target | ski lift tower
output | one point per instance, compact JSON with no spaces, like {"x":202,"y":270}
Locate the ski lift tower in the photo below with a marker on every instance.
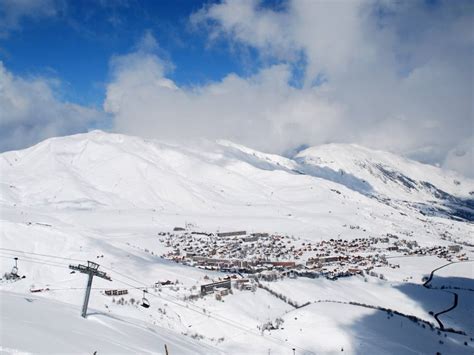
{"x":92,"y":270}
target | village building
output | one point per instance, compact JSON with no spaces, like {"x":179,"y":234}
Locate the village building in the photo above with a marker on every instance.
{"x":231,"y":234}
{"x":455,"y":248}
{"x":209,"y":288}
{"x":115,"y":292}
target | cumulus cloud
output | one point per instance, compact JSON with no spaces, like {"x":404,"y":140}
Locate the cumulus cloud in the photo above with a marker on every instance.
{"x":331,"y":34}
{"x":30,"y":111}
{"x":392,"y":76}
{"x":402,"y":71}
{"x":261,"y":111}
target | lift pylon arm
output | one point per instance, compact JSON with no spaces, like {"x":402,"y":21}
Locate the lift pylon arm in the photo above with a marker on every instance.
{"x":86,"y":270}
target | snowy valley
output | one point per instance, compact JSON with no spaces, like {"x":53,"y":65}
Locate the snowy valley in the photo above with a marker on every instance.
{"x":337,"y":249}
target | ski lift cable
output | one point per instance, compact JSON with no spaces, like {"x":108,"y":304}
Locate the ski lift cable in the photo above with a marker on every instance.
{"x":190,"y":307}
{"x":94,"y":288}
{"x":36,"y":262}
{"x":176,"y":298}
{"x":81,"y":288}
{"x":11,"y":254}
{"x":26,"y":258}
{"x":218,"y":318}
{"x":44,"y":255}
{"x":210,"y":315}
{"x":234,"y":324}
{"x":63,"y":266}
{"x":136,"y":281}
{"x":231,"y":323}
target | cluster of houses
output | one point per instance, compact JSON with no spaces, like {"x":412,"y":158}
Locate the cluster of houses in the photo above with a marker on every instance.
{"x":228,"y":249}
{"x":270,"y":256}
{"x":411,"y":248}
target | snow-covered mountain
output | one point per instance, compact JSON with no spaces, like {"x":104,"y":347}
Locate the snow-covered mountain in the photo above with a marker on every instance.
{"x":99,"y":169}
{"x":106,"y":197}
{"x":389,"y":176}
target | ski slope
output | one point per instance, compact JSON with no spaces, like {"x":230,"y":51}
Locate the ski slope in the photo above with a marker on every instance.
{"x":37,"y":325}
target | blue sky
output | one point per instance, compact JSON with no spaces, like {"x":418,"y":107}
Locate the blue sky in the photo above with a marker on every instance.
{"x":390,"y":75}
{"x":76,"y":45}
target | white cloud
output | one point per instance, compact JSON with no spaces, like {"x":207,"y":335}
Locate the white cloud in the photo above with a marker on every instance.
{"x":400,"y":71}
{"x":461,"y":158}
{"x":242,"y":21}
{"x":30,"y":111}
{"x":262,"y":111}
{"x":399,"y":78}
{"x":332,"y":34}
{"x":12,"y":12}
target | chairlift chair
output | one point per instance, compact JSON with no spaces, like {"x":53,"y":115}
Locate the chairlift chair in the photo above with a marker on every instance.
{"x":145,"y":302}
{"x":14,"y":271}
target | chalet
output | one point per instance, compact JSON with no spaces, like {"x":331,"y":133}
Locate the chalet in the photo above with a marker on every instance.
{"x":329,"y":259}
{"x":208,"y":288}
{"x":283,"y":263}
{"x":116,"y":292}
{"x":231,"y":234}
{"x":222,"y":291}
{"x":34,"y":290}
{"x":354,"y":271}
{"x":310,"y":273}
{"x":243,"y":284}
{"x":260,"y":235}
{"x":252,"y":238}
{"x":292,"y":274}
{"x":455,"y":248}
{"x":164,"y":283}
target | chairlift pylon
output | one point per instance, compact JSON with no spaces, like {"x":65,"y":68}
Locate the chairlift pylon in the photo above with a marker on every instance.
{"x":145,"y":302}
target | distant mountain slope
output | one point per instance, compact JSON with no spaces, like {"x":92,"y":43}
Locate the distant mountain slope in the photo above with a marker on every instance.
{"x":384,"y":174}
{"x":99,"y":169}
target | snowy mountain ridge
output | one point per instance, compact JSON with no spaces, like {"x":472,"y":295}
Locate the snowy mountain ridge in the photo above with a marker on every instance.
{"x":104,"y":169}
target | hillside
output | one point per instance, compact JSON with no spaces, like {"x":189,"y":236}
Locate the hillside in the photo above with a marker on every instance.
{"x":433,"y":190}
{"x":66,"y":332}
{"x":117,"y":200}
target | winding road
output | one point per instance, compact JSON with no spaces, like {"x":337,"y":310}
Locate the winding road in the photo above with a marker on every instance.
{"x":447,"y":310}
{"x":456,"y":296}
{"x":438,"y":268}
